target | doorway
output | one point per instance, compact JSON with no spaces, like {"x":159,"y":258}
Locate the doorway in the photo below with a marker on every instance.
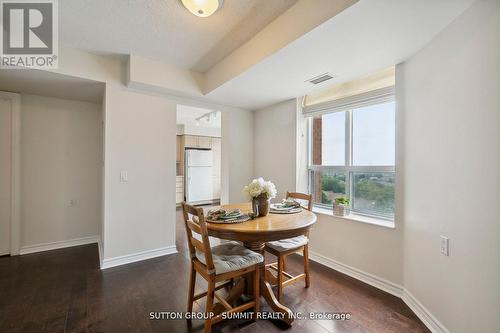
{"x":5,"y":174}
{"x":9,"y":132}
{"x":198,"y":160}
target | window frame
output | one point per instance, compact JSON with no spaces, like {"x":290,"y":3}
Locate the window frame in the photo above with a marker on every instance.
{"x":348,"y":169}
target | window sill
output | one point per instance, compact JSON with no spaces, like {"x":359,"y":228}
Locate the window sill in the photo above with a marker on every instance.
{"x":357,"y":218}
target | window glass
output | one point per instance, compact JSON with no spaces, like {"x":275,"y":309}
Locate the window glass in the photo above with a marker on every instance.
{"x":368,"y":177}
{"x":373,"y":193}
{"x":328,"y":185}
{"x":373,"y":130}
{"x":328,"y":136}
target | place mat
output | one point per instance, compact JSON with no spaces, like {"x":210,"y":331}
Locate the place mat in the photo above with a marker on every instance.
{"x":239,"y":219}
{"x":290,"y":211}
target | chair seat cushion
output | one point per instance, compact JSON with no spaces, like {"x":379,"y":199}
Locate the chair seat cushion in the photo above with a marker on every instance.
{"x":230,"y":257}
{"x":288,"y":243}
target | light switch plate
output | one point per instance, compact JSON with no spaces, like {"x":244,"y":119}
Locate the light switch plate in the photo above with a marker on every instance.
{"x":123,"y":176}
{"x":445,"y":245}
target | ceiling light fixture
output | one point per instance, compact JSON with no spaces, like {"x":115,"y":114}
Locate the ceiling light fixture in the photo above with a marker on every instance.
{"x":202,"y":8}
{"x":206,"y":117}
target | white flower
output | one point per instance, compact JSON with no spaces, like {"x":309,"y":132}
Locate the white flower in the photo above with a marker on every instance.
{"x":270,"y":189}
{"x":260,"y":186}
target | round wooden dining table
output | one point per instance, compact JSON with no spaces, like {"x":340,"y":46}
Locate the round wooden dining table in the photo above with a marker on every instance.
{"x":254,"y":234}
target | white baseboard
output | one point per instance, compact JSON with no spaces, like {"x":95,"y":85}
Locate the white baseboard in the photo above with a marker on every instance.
{"x":423,"y":314}
{"x":392,"y":288}
{"x":375,"y":281}
{"x":58,"y":245}
{"x":130,"y":258}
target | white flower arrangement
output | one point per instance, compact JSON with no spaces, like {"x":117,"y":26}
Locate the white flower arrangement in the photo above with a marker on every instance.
{"x":260,"y":186}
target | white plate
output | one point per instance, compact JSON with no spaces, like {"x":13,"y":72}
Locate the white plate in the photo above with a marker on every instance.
{"x":288,"y":211}
{"x":277,"y":207}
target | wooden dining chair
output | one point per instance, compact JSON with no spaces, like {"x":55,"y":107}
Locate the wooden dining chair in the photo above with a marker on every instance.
{"x":221,"y":263}
{"x":284,"y":247}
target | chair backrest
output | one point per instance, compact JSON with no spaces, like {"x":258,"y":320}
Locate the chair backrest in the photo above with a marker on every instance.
{"x":301,"y":196}
{"x":198,"y":226}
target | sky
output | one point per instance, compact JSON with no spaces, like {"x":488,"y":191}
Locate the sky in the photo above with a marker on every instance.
{"x":373,"y":136}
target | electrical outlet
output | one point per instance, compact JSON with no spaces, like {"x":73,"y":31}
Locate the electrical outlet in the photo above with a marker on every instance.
{"x":72,"y":203}
{"x":445,"y":245}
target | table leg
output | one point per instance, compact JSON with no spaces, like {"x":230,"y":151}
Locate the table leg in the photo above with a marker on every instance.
{"x":236,"y":291}
{"x":270,"y":277}
{"x":233,"y":295}
{"x":265,"y":288}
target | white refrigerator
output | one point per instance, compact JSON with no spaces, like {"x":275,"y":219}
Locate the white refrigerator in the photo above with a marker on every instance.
{"x":198,"y":181}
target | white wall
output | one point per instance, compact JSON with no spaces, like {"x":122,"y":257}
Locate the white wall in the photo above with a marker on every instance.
{"x":60,"y":161}
{"x":236,"y":154}
{"x":275,"y":146}
{"x":201,"y":131}
{"x":447,"y":163}
{"x":140,"y":124}
{"x":370,"y":248}
{"x":452,"y":161}
{"x":373,"y":249}
{"x":159,"y":75}
{"x":140,"y":139}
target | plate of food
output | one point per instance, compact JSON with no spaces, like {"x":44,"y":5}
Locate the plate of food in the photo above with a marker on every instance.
{"x":226,"y":216}
{"x":288,"y":206}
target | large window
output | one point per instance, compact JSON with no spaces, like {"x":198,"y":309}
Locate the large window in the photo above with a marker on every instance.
{"x":352,"y":154}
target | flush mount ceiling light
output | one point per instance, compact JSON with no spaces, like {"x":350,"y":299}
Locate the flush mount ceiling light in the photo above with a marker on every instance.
{"x":202,"y":8}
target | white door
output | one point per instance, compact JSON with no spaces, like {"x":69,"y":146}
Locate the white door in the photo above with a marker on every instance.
{"x":5,"y":174}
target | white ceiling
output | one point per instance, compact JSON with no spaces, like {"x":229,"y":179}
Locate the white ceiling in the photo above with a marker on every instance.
{"x":187,"y":115}
{"x":38,"y":82}
{"x":163,"y":29}
{"x":369,"y":36}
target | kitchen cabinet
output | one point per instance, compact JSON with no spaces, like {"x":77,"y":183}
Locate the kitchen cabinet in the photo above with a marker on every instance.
{"x":194,"y":141}
{"x":204,"y":142}
{"x":179,"y":148}
{"x":190,"y":141}
{"x":179,"y":189}
{"x":180,"y":156}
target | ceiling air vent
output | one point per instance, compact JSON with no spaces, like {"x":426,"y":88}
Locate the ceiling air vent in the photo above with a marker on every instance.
{"x":320,"y":78}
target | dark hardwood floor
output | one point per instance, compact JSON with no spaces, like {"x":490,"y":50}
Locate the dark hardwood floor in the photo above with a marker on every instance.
{"x":65,"y":291}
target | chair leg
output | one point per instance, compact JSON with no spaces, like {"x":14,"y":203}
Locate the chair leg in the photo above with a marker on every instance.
{"x":192,"y":282}
{"x":210,"y":304}
{"x":306,"y":264}
{"x":256,"y":292}
{"x":280,"y":277}
{"x":284,"y":263}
